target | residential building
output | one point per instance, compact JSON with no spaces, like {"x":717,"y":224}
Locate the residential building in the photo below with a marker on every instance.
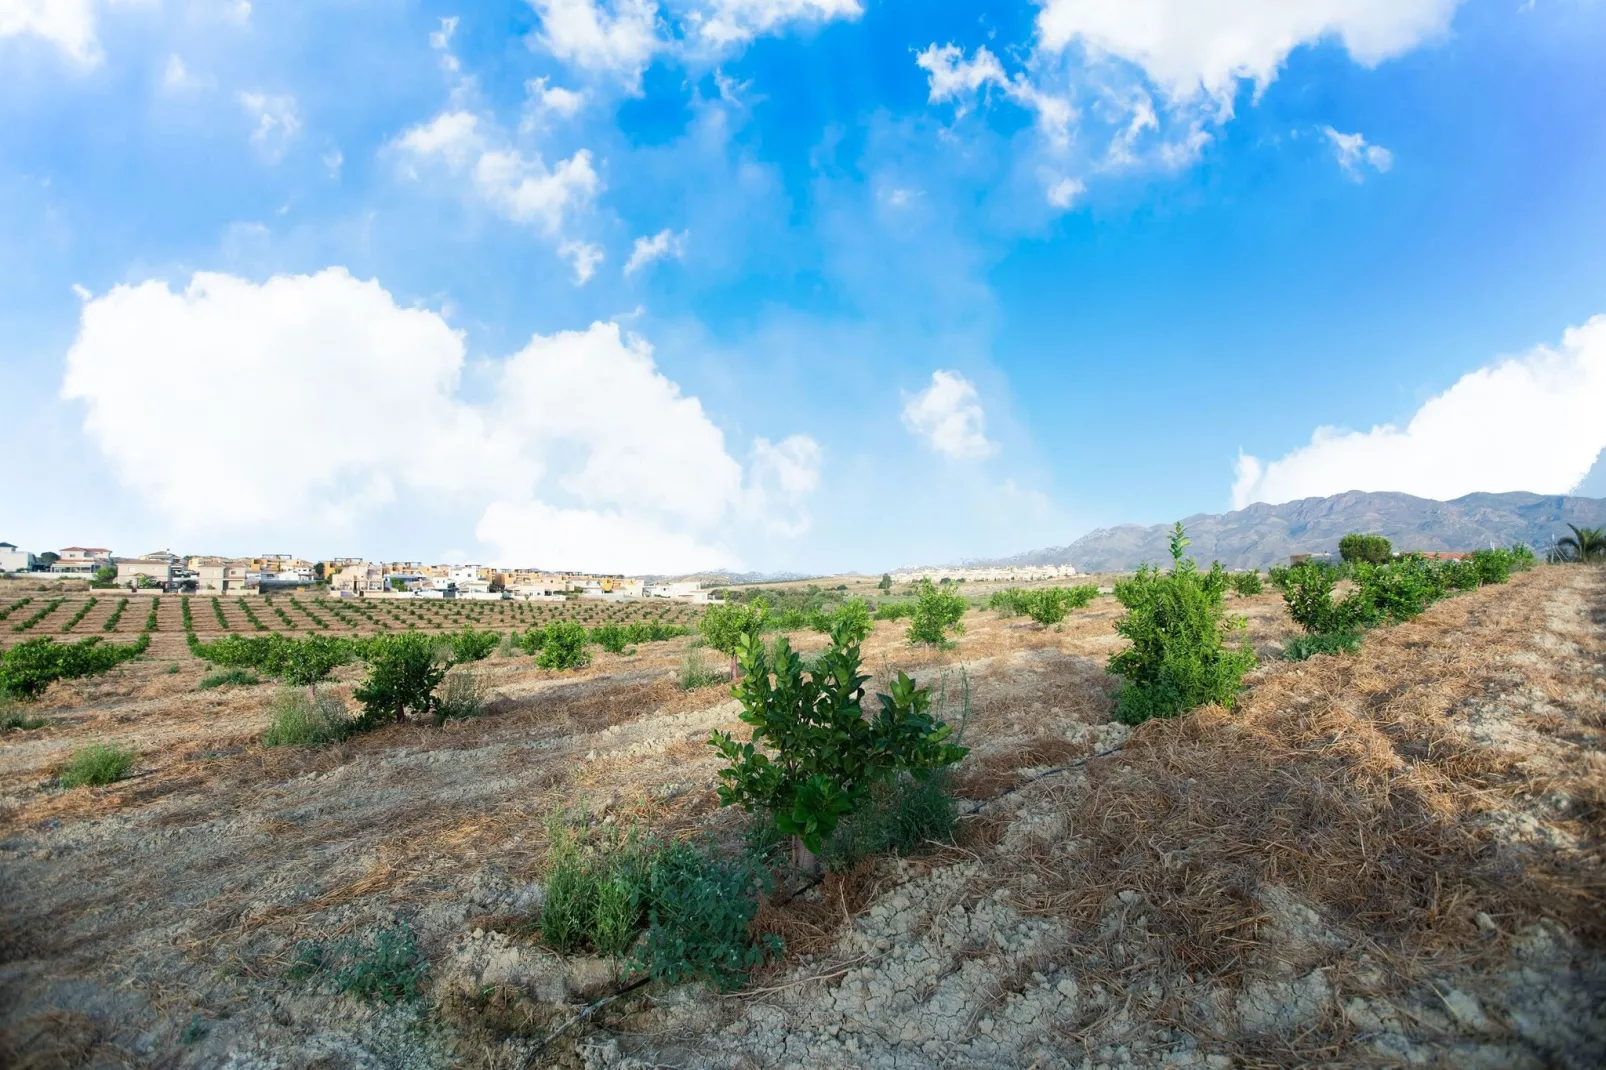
{"x":81,"y":560}
{"x":15,"y":560}
{"x":219,"y":575}
{"x":360,"y":578}
{"x":682,"y":591}
{"x":1012,"y":574}
{"x":132,"y":570}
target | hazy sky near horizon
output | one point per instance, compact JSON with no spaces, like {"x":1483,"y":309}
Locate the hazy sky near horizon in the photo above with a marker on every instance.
{"x":663,"y":285}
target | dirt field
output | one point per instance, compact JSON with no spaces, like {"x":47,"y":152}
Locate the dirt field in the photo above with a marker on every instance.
{"x":1384,"y":859}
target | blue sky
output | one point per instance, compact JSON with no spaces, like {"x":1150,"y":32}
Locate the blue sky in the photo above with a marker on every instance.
{"x":784,"y":284}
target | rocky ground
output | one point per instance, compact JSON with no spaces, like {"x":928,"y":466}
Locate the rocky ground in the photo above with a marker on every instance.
{"x":1383,"y":859}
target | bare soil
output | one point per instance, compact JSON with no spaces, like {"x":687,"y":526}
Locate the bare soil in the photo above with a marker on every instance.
{"x":1389,"y":858}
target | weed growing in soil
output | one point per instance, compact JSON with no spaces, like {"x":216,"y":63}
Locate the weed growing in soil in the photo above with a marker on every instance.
{"x":699,"y":911}
{"x":300,"y":720}
{"x":228,"y":678}
{"x":902,"y":815}
{"x":462,"y":696}
{"x":1179,"y":656}
{"x":13,"y":717}
{"x":96,"y":765}
{"x":695,"y":671}
{"x":388,"y":967}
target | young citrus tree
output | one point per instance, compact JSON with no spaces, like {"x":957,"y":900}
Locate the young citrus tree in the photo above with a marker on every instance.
{"x":725,"y":626}
{"x":815,"y":754}
{"x":938,"y":611}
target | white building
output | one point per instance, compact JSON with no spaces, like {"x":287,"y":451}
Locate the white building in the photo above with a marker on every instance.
{"x":15,"y":560}
{"x":1021,"y":574}
{"x":682,"y":591}
{"x":131,"y":570}
{"x":363,"y":577}
{"x":81,"y":560}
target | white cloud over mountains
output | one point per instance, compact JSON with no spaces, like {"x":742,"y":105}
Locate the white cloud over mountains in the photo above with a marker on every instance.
{"x":1531,"y":423}
{"x":948,"y":416}
{"x":313,"y":400}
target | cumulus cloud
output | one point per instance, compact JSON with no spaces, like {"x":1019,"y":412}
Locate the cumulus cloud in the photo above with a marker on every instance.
{"x":518,"y":187}
{"x":587,"y":455}
{"x":949,"y":417}
{"x":554,"y":99}
{"x":1355,"y":155}
{"x":1190,"y":48}
{"x":583,"y":257}
{"x":617,"y":39}
{"x":950,"y":76}
{"x":724,"y":22}
{"x":665,"y":243}
{"x":1527,"y":423}
{"x":67,"y":24}
{"x":276,"y":122}
{"x":1063,"y":192}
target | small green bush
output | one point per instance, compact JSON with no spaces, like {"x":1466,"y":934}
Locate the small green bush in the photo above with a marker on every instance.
{"x":96,"y":765}
{"x":300,"y":720}
{"x":229,"y":678}
{"x":1246,"y":583}
{"x":903,"y":815}
{"x":32,"y":665}
{"x":937,"y":611}
{"x":1179,"y":657}
{"x":388,"y":967}
{"x":471,"y":645}
{"x":895,"y":611}
{"x":403,"y":672}
{"x":700,"y":910}
{"x":1305,"y":646}
{"x":564,"y":647}
{"x":15,"y":718}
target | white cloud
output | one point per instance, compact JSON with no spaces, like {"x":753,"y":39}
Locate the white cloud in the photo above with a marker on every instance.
{"x":554,"y":98}
{"x":949,"y":416}
{"x":587,"y":456}
{"x":1063,"y":192}
{"x":663,"y":244}
{"x":584,"y":257}
{"x":67,"y":24}
{"x":1528,"y":423}
{"x":520,"y":188}
{"x":333,"y":161}
{"x":618,"y":39}
{"x":441,"y":41}
{"x":724,"y":22}
{"x":1354,"y":154}
{"x":277,"y":122}
{"x":950,"y":76}
{"x":1190,"y":48}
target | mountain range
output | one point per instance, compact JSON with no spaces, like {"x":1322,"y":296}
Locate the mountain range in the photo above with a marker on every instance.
{"x":1262,"y":535}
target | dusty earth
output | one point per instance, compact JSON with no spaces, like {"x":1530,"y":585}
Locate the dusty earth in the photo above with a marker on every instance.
{"x":1389,"y":858}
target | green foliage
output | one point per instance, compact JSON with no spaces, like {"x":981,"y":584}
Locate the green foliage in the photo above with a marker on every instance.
{"x":303,"y":661}
{"x":1048,"y":605}
{"x":1584,"y":544}
{"x":32,"y":665}
{"x":1372,"y":549}
{"x":217,"y":611}
{"x":1246,"y":583}
{"x":228,"y":678}
{"x":105,"y":575}
{"x":388,"y":967}
{"x":117,"y":615}
{"x":1305,"y":646}
{"x":1308,"y":593}
{"x":1178,"y":628}
{"x":895,"y":611}
{"x":885,"y":586}
{"x":700,"y":912}
{"x":151,"y":623}
{"x":564,"y":646}
{"x":39,"y":615}
{"x":827,"y":754}
{"x":403,"y":671}
{"x":903,"y":815}
{"x":937,"y":612}
{"x":725,"y":626}
{"x":15,"y":718}
{"x":13,"y":607}
{"x":695,"y":671}
{"x":595,"y":893}
{"x":83,"y":611}
{"x":96,"y":765}
{"x":471,"y":645}
{"x":1008,"y":602}
{"x":300,"y":720}
{"x":851,"y":617}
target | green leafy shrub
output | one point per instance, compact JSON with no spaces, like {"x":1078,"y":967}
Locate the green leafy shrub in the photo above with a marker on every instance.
{"x":15,"y":718}
{"x":895,"y":611}
{"x":1301,"y":647}
{"x":1308,"y":593}
{"x":1372,"y":549}
{"x":228,"y":678}
{"x":1584,"y":544}
{"x":827,"y":754}
{"x":610,"y":637}
{"x":596,"y":894}
{"x":852,"y":617}
{"x":96,"y":765}
{"x":1009,"y":602}
{"x":32,"y":665}
{"x":298,"y":719}
{"x":151,"y":623}
{"x":700,"y":910}
{"x":217,"y":611}
{"x":13,"y":607}
{"x":388,"y":967}
{"x":471,"y":645}
{"x":724,"y":627}
{"x":403,"y":672}
{"x":937,"y":612}
{"x":1049,"y":605}
{"x":1246,"y":583}
{"x":1178,"y":628}
{"x":564,"y":647}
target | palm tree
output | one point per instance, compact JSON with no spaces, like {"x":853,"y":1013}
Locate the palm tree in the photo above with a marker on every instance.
{"x":1584,"y":544}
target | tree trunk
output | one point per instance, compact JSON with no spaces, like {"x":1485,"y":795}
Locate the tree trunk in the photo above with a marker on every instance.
{"x":805,"y":861}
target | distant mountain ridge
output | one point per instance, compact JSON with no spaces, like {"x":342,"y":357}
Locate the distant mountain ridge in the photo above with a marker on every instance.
{"x":1262,"y":535}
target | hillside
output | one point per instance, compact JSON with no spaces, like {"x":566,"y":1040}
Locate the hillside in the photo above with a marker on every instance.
{"x":1262,"y":535}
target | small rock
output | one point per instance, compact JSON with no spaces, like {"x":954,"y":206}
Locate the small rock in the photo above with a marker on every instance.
{"x":1486,"y":923}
